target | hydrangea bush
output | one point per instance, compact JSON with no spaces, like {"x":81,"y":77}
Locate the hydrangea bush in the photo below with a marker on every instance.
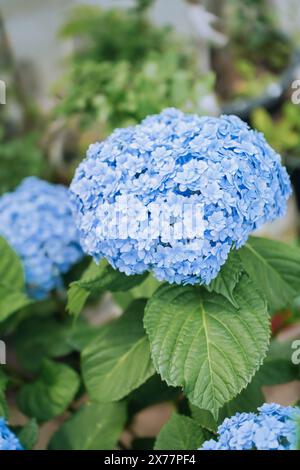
{"x":275,"y":427}
{"x":36,"y":220}
{"x":164,"y":214}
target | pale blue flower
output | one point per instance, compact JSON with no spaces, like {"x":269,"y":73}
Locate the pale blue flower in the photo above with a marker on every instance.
{"x":275,"y":427}
{"x":36,"y":220}
{"x":228,"y":173}
{"x":8,"y":441}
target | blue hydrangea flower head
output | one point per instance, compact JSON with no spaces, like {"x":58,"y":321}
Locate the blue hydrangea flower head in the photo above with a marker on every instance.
{"x":8,"y":441}
{"x":36,"y":220}
{"x":174,"y":194}
{"x":275,"y":427}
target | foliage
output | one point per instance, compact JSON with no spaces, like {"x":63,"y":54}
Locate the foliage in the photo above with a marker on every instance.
{"x":255,"y":34}
{"x":110,"y":35}
{"x":282,"y":131}
{"x":115,"y":80}
{"x":95,"y":426}
{"x":12,"y":288}
{"x":115,"y":94}
{"x":122,"y":362}
{"x":257,"y":49}
{"x":51,"y":393}
{"x":180,"y":433}
{"x":250,"y":82}
{"x":23,"y":155}
{"x":211,"y":346}
{"x":219,"y":359}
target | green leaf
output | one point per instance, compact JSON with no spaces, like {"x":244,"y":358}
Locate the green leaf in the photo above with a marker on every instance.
{"x":274,"y":267}
{"x":82,"y":334}
{"x":151,"y":392}
{"x":200,"y":342}
{"x":227,"y":278}
{"x":77,"y":298}
{"x":247,"y":401}
{"x":3,"y":404}
{"x":278,"y":372}
{"x":263,"y":122}
{"x":143,"y":291}
{"x":98,"y":279}
{"x":94,"y":427}
{"x":29,"y":434}
{"x":12,"y":295}
{"x":11,"y":301}
{"x":118,"y":360}
{"x":51,"y":393}
{"x":278,"y":367}
{"x":11,"y":269}
{"x":180,"y":433}
{"x":204,"y":418}
{"x":37,"y":338}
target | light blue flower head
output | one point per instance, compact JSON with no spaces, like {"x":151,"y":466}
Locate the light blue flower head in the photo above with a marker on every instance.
{"x":174,"y":194}
{"x":275,"y":427}
{"x":36,"y":220}
{"x":8,"y":441}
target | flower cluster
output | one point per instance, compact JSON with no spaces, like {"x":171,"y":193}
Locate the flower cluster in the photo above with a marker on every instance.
{"x":274,"y":428}
{"x":8,"y":441}
{"x":174,"y":194}
{"x":36,"y":220}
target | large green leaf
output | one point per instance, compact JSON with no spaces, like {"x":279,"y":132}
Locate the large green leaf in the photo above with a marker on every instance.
{"x":94,"y":427}
{"x":274,"y":267}
{"x":51,"y":393}
{"x":118,"y":360}
{"x":82,"y":334}
{"x":12,"y":295}
{"x":227,"y":278}
{"x":180,"y":433}
{"x":276,"y":369}
{"x":247,"y":401}
{"x":201,"y":342}
{"x":11,"y":269}
{"x":97,"y":279}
